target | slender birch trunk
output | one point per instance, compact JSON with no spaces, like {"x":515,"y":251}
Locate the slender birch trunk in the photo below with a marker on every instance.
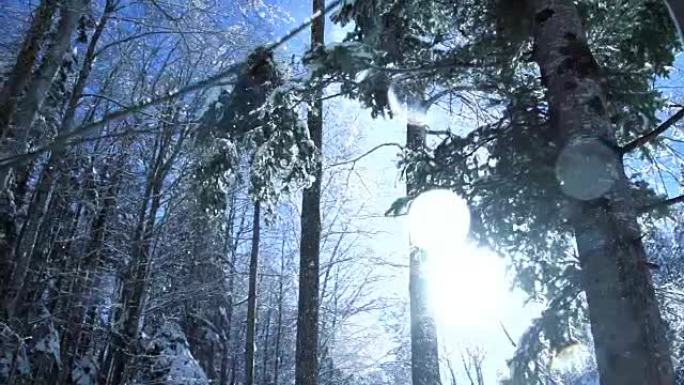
{"x":252,"y":296}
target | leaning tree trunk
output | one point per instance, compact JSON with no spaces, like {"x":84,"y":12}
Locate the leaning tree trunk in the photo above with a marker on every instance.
{"x":424,"y":350}
{"x":306,"y":357}
{"x":629,"y":335}
{"x":21,"y":72}
{"x":252,"y":296}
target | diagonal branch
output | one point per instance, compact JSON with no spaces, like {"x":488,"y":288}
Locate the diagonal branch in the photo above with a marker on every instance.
{"x":60,"y":141}
{"x":365,"y":154}
{"x":662,"y":204}
{"x":435,"y":97}
{"x":638,"y":142}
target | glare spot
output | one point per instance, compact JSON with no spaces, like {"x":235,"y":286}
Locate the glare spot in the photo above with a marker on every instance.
{"x":572,"y":357}
{"x":587,"y":169}
{"x":467,"y":286}
{"x":403,"y":106}
{"x":395,"y":104}
{"x":362,"y":75}
{"x":438,"y":220}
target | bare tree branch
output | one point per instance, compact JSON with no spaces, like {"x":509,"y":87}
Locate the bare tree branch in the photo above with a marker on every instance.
{"x":365,"y":154}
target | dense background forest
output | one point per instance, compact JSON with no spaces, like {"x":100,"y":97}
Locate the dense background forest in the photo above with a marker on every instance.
{"x":216,"y":191}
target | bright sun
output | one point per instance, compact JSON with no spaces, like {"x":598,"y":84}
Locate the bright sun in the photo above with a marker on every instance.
{"x":467,"y":284}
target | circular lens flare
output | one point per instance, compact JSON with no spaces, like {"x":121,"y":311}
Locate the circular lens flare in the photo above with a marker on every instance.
{"x":587,"y":169}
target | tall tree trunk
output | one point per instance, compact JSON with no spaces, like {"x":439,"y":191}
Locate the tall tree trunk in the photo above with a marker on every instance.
{"x":26,"y":241}
{"x":629,"y":335}
{"x":86,"y":281}
{"x":306,"y":357}
{"x":26,"y":59}
{"x":50,"y":174}
{"x":84,"y":72}
{"x":227,"y":319}
{"x":266,"y":334}
{"x":279,"y":322}
{"x":125,"y":336}
{"x":135,"y":287}
{"x":37,"y":89}
{"x":424,"y":349}
{"x":252,"y":296}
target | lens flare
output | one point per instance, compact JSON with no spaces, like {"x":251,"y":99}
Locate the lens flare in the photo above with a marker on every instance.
{"x":587,"y":169}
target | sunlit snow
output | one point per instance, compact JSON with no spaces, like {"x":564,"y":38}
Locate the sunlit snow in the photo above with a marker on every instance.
{"x":572,"y":357}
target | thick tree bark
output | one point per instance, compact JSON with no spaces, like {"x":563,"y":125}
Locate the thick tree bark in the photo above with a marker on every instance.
{"x":252,"y":296}
{"x":26,"y":59}
{"x":306,"y":357}
{"x":629,"y":335}
{"x":424,"y":349}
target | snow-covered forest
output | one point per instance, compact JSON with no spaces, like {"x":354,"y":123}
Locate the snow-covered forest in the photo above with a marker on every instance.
{"x":341,"y":192}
